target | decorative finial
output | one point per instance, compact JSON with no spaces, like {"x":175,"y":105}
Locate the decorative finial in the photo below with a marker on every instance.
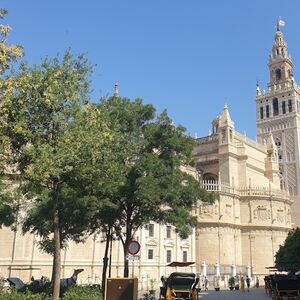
{"x":280,"y":23}
{"x":258,"y":92}
{"x":116,"y":90}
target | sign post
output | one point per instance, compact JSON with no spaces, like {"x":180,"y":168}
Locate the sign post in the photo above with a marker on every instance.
{"x":133,"y":248}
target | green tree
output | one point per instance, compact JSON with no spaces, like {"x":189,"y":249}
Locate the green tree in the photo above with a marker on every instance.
{"x":9,"y":54}
{"x":49,"y":125}
{"x":287,"y":257}
{"x":153,"y":186}
{"x":100,"y":178}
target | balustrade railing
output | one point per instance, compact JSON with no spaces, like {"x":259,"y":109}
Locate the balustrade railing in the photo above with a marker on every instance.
{"x":214,"y":186}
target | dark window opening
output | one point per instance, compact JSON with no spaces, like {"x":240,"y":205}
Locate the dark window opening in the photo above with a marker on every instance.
{"x":210,"y":177}
{"x":290,"y":106}
{"x":168,"y":232}
{"x":150,"y":254}
{"x":267,"y":111}
{"x":151,"y":230}
{"x":261,"y":112}
{"x":184,"y":256}
{"x":278,"y":74}
{"x":275,"y":107}
{"x":283,"y":107}
{"x":169,"y":256}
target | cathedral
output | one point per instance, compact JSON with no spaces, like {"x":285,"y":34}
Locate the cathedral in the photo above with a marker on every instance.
{"x":259,"y":187}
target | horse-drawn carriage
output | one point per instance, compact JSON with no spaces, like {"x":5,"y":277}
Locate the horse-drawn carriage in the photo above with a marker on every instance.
{"x":179,"y":285}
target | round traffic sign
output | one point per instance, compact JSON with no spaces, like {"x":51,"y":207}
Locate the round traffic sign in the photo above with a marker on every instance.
{"x":134,"y":247}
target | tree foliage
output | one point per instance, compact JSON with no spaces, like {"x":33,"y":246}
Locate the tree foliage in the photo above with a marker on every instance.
{"x":153,"y":186}
{"x":48,"y":121}
{"x":288,"y":256}
{"x":8,"y":55}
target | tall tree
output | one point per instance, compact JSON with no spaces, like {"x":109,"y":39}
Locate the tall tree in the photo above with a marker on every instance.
{"x":9,"y":54}
{"x":154,"y":186}
{"x":100,"y":178}
{"x":287,"y":257}
{"x":48,"y":123}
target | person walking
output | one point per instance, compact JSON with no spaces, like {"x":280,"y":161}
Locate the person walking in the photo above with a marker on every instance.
{"x":205,"y":283}
{"x":257,"y":282}
{"x":242,"y":284}
{"x":248,"y":283}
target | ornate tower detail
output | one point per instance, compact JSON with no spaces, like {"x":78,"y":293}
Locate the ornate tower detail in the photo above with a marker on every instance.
{"x":278,"y":112}
{"x":271,"y":162}
{"x":280,"y":63}
{"x":226,"y":127}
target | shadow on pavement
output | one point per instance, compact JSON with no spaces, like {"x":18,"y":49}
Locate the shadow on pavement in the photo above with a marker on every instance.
{"x":254,"y":293}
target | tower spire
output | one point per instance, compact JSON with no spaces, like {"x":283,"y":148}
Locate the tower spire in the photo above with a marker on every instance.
{"x":280,"y":62}
{"x":258,"y":92}
{"x":116,"y":89}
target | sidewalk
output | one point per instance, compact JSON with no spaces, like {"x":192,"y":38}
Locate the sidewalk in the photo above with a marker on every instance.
{"x":226,"y":294}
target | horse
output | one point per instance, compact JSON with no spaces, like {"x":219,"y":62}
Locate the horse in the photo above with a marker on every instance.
{"x":39,"y":285}
{"x":4,"y":284}
{"x":71,"y":280}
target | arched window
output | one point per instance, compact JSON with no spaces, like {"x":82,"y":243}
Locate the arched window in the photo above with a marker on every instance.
{"x":210,"y":177}
{"x":278,"y":74}
{"x":275,"y":107}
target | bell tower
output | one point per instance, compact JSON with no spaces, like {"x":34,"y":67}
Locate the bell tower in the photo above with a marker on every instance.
{"x":278,"y":113}
{"x":280,"y":63}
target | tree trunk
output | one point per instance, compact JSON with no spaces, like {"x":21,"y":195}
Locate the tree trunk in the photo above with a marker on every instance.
{"x":110,"y":255}
{"x":125,"y":246}
{"x":126,"y":264}
{"x":128,"y":235}
{"x":105,"y":261}
{"x":57,"y":256}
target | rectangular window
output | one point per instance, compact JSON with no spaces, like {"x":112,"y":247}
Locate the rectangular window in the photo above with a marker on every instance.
{"x":184,"y":256}
{"x":261,"y":112}
{"x":283,"y":107}
{"x":150,"y":253}
{"x":275,"y":107}
{"x":169,"y":232}
{"x":290,"y":106}
{"x":267,"y":111}
{"x":151,"y":230}
{"x":169,"y":256}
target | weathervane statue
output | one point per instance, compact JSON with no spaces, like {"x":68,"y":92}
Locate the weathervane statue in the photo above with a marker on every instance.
{"x":280,"y":23}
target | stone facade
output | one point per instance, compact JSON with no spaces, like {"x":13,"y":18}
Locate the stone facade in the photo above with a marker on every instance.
{"x":252,"y":216}
{"x":19,"y":256}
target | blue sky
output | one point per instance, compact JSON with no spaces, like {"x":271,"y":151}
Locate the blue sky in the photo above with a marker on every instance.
{"x":189,"y":57}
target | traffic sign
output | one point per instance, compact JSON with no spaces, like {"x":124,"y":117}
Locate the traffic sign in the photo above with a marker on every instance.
{"x":133,"y":257}
{"x":134,"y":247}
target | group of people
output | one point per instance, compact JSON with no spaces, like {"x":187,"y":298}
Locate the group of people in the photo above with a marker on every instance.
{"x":247,"y":283}
{"x":243,"y":284}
